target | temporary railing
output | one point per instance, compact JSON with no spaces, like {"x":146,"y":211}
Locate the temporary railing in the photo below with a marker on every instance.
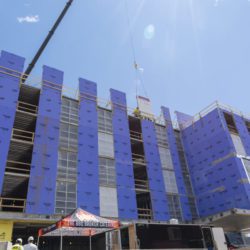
{"x":74,"y":93}
{"x":22,"y":135}
{"x":27,"y":107}
{"x":37,"y":82}
{"x":103,"y":103}
{"x":17,"y":167}
{"x":210,"y":108}
{"x":136,"y":135}
{"x":141,"y":184}
{"x":12,"y":204}
{"x":138,"y":159}
{"x":144,"y":213}
{"x":31,"y":80}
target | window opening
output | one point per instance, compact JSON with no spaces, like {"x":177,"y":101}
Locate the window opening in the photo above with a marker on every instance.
{"x":230,"y":123}
{"x":248,"y":125}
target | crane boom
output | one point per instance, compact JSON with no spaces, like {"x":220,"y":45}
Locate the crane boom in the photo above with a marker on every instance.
{"x":46,"y":41}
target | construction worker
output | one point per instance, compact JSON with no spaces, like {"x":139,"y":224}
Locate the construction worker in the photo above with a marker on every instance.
{"x":18,"y":245}
{"x":30,"y":245}
{"x":137,"y":112}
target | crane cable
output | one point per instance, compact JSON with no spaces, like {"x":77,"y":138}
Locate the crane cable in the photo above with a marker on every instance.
{"x":138,"y":75}
{"x":131,"y":36}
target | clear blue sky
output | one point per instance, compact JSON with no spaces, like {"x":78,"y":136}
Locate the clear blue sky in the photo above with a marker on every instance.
{"x":195,"y":52}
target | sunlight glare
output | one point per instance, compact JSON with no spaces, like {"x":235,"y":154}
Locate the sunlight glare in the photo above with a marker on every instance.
{"x":149,"y":32}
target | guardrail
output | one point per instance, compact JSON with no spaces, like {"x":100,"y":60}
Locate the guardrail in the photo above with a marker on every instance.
{"x":17,"y":167}
{"x":144,"y":213}
{"x":136,"y":135}
{"x":37,"y":82}
{"x":22,"y":135}
{"x":138,"y":159}
{"x":27,"y":107}
{"x":210,"y":108}
{"x":12,"y":204}
{"x":141,"y":184}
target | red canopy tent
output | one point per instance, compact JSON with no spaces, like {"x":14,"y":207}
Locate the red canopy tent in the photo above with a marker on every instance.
{"x":79,"y":223}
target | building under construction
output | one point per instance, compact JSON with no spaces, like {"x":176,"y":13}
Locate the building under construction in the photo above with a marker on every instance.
{"x":58,"y":153}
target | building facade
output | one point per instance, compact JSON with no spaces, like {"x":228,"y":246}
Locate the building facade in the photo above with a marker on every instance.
{"x":217,"y":150}
{"x":59,"y":153}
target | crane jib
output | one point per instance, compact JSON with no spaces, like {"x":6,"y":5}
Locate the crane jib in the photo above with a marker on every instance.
{"x":46,"y":41}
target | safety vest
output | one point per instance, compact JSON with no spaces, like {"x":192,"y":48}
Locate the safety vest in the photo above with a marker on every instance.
{"x":17,"y":247}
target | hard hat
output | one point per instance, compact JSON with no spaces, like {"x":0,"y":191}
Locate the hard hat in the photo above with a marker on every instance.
{"x":31,"y":238}
{"x":19,"y":240}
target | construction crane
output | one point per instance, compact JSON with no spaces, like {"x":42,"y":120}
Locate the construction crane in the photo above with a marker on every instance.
{"x":46,"y":41}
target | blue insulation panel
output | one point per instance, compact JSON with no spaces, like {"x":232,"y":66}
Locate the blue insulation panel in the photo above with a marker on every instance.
{"x":216,"y":173}
{"x":225,"y":191}
{"x":88,"y":169}
{"x":11,"y":67}
{"x":42,"y":183}
{"x":126,"y":195}
{"x":154,"y":171}
{"x":186,"y":213}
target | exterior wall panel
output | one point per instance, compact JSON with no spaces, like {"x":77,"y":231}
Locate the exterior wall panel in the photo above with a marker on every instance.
{"x":42,"y":183}
{"x":126,"y":196}
{"x":88,"y":169}
{"x":215,"y":171}
{"x":11,"y":68}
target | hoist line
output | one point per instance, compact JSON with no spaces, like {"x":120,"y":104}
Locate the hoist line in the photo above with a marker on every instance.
{"x":130,"y":35}
{"x":138,"y":76}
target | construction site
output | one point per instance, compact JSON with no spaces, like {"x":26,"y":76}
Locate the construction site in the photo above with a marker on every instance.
{"x":60,"y":153}
{"x":81,"y":172}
